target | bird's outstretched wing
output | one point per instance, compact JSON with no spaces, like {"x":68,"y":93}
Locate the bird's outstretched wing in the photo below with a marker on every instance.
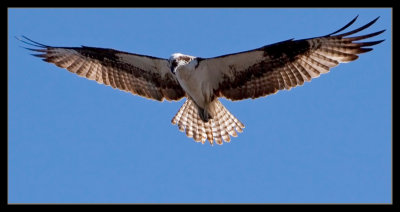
{"x":142,"y":75}
{"x":266,"y":70}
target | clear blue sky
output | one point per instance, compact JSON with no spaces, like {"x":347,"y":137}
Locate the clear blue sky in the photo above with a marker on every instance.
{"x":71,"y":140}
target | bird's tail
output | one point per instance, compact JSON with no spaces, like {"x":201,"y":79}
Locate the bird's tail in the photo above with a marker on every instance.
{"x":220,"y":127}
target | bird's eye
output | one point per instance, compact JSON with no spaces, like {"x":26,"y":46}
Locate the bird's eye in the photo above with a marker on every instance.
{"x":174,"y":63}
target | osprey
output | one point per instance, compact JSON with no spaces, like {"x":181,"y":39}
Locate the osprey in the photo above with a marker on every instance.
{"x":248,"y":74}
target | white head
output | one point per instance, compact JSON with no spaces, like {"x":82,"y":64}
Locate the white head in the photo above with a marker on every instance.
{"x":178,"y":59}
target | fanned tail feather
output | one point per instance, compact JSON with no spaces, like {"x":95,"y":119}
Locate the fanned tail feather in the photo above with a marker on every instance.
{"x":219,"y":128}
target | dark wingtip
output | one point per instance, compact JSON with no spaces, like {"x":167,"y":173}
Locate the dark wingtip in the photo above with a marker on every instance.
{"x":361,"y":28}
{"x":364,"y":50}
{"x":31,"y":42}
{"x":343,"y":28}
{"x":373,"y":21}
{"x":372,"y":43}
{"x":34,"y":50}
{"x":365,"y":36}
{"x":356,"y":30}
{"x":39,"y":55}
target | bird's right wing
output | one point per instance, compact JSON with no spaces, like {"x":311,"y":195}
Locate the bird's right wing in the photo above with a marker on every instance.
{"x":142,"y":75}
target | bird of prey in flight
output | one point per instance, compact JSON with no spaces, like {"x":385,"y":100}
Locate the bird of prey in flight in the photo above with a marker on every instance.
{"x":249,"y":74}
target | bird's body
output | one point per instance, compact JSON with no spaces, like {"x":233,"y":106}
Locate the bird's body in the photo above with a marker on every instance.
{"x":248,"y":74}
{"x":195,"y":82}
{"x":202,"y":116}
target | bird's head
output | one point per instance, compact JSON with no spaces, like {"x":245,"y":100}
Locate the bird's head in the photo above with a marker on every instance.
{"x":178,"y":59}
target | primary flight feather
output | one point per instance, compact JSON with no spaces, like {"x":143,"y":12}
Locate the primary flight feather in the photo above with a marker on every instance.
{"x":249,"y":74}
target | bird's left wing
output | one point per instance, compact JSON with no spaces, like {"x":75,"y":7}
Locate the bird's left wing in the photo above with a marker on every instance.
{"x":283,"y":65}
{"x":142,"y":75}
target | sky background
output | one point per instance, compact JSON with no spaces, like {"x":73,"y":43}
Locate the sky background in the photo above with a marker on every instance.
{"x":71,"y":140}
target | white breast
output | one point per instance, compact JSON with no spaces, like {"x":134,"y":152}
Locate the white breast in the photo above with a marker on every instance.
{"x":195,"y":82}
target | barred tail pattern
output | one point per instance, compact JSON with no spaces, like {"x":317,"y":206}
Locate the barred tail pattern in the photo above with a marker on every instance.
{"x":219,"y":128}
